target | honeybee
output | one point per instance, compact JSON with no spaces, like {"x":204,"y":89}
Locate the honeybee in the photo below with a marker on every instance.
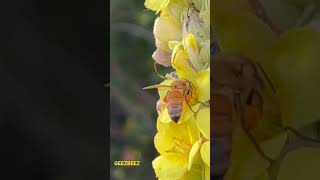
{"x":236,"y":101}
{"x":180,"y":91}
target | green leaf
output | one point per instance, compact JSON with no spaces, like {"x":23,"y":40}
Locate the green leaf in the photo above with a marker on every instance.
{"x":301,"y":164}
{"x":297,"y":76}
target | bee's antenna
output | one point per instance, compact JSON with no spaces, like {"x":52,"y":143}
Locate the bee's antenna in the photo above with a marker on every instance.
{"x":157,"y":86}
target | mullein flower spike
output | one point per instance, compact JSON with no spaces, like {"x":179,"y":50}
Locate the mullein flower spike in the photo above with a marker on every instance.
{"x":182,"y":39}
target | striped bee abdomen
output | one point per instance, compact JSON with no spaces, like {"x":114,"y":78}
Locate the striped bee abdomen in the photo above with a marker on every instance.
{"x":174,"y":100}
{"x":222,"y":130}
{"x":175,"y":111}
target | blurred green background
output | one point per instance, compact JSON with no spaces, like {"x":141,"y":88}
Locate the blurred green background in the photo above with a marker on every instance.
{"x":133,"y":110}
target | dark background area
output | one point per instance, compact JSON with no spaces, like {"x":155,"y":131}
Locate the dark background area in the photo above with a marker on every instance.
{"x":53,"y":104}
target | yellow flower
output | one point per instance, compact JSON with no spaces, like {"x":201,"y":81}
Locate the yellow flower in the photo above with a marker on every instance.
{"x":203,"y":122}
{"x":166,"y":28}
{"x":170,"y":166}
{"x":179,"y":148}
{"x":205,"y":153}
{"x":201,"y":94}
{"x":188,"y":57}
{"x":156,"y":5}
{"x":182,"y":38}
{"x":197,"y":24}
{"x":191,"y":47}
{"x":162,"y":57}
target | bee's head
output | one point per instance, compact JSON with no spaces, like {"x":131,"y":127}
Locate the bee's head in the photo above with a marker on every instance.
{"x":181,"y":84}
{"x":233,"y":71}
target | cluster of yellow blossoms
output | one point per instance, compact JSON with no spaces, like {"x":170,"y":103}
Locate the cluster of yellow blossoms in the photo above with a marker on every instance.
{"x":182,"y":38}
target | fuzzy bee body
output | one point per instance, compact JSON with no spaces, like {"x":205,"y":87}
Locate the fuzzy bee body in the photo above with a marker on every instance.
{"x":236,"y":103}
{"x":180,"y":91}
{"x":174,"y":101}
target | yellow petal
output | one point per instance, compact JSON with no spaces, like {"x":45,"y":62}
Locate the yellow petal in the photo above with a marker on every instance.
{"x":175,"y":9}
{"x":203,"y":85}
{"x":187,"y":112}
{"x":162,"y":57}
{"x":298,"y":86}
{"x":173,"y":44}
{"x":183,"y":66}
{"x":162,"y":45}
{"x":205,"y":153}
{"x":190,"y":45}
{"x":164,"y":116}
{"x":170,"y":166}
{"x":263,"y":176}
{"x":160,"y":106}
{"x":167,"y":29}
{"x":203,"y":122}
{"x":163,"y":142}
{"x":302,"y":163}
{"x":195,"y":173}
{"x":187,"y":132}
{"x":156,"y":5}
{"x":193,"y":152}
{"x":194,"y":133}
{"x":247,"y":163}
{"x":207,"y":173}
{"x":172,"y":137}
{"x":162,"y":91}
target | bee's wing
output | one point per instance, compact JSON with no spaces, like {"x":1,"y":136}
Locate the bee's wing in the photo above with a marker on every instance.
{"x":156,"y":86}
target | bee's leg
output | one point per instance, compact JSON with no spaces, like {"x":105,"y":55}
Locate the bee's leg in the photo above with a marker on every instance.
{"x":267,"y":78}
{"x":250,"y":136}
{"x":204,"y":104}
{"x":194,"y":112}
{"x":253,"y":109}
{"x":156,"y":71}
{"x":190,"y":106}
